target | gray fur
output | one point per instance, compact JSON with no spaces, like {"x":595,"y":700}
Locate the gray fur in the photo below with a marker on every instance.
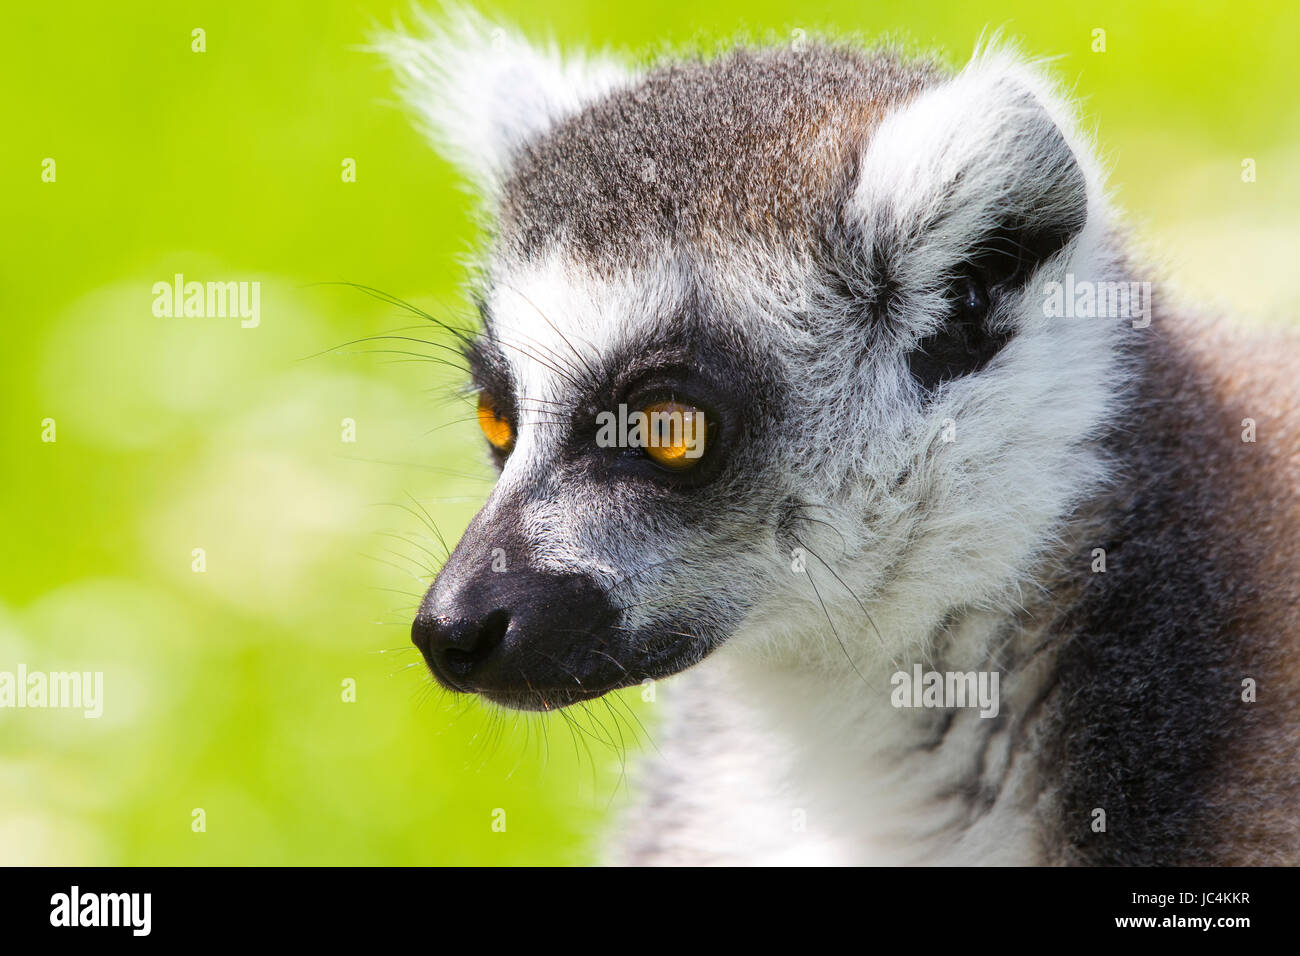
{"x":760,"y":141}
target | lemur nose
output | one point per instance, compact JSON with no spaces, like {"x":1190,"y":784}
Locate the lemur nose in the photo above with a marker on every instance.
{"x":455,"y":647}
{"x":522,"y":636}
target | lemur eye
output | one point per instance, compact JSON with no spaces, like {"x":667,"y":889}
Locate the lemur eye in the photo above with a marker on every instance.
{"x":500,"y":433}
{"x":973,"y":298}
{"x":677,"y":434}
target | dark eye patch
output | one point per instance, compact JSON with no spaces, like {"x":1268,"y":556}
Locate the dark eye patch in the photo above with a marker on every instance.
{"x":965,"y":343}
{"x":490,"y":378}
{"x":488,"y":370}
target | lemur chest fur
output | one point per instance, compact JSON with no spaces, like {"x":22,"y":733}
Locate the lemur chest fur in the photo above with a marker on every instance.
{"x":831,"y":772}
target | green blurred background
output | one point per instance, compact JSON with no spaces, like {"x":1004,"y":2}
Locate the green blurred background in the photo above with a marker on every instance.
{"x":224,"y":688}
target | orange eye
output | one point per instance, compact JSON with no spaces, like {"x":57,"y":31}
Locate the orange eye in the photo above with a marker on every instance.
{"x":676,"y":434}
{"x":500,"y":433}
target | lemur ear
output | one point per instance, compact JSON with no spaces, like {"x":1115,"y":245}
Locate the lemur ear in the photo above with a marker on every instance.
{"x":978,"y":169}
{"x":481,"y":91}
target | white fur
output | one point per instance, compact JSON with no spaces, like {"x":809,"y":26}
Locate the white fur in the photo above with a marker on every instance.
{"x":481,"y":91}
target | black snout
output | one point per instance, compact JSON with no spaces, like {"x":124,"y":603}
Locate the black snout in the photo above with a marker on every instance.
{"x":525,"y":638}
{"x":459,"y":644}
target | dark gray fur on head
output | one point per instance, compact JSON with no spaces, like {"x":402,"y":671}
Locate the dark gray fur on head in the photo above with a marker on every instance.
{"x":760,"y":141}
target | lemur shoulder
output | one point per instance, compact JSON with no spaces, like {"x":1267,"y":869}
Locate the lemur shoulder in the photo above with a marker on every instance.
{"x":842,"y":258}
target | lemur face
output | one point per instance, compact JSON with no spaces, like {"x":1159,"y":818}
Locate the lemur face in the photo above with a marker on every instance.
{"x":616,"y":560}
{"x":831,"y":263}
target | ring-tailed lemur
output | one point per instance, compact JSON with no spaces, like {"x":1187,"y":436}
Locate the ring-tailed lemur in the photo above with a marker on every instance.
{"x":944,"y":450}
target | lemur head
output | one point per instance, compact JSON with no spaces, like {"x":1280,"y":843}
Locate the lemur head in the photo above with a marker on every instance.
{"x":830,"y":259}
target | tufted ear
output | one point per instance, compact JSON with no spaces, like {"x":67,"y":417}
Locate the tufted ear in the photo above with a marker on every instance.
{"x":482,"y":91}
{"x":982,"y":165}
{"x":961,"y":196}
